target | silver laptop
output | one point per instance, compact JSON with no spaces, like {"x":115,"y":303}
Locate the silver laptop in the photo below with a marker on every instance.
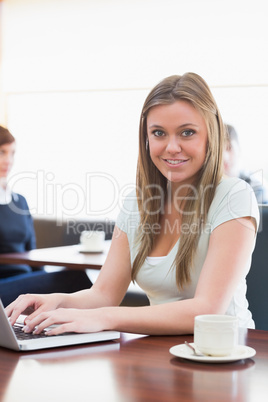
{"x":14,"y":338}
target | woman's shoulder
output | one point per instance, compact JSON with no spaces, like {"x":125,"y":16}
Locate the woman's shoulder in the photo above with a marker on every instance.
{"x":234,"y":198}
{"x":233,"y":187}
{"x":229,"y":181}
{"x":130,"y":202}
{"x":128,"y":217}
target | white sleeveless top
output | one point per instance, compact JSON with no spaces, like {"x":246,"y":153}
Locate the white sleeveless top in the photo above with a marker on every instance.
{"x":234,"y":198}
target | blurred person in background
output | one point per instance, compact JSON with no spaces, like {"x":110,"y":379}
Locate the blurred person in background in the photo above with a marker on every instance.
{"x":232,"y":166}
{"x":16,"y":223}
{"x":17,"y":235}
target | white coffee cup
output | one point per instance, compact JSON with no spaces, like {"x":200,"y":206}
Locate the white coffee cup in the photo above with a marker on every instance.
{"x":92,"y":240}
{"x":216,"y":334}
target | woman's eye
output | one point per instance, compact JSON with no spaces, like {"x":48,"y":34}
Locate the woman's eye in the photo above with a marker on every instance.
{"x":187,"y":133}
{"x":158,"y":133}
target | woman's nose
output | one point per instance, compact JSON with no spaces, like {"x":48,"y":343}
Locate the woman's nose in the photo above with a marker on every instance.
{"x":174,"y":145}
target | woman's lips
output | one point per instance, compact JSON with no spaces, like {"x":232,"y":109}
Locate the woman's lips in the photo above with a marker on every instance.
{"x":175,"y":162}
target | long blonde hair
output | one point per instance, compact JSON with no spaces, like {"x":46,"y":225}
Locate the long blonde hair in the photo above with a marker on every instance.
{"x":152,"y":185}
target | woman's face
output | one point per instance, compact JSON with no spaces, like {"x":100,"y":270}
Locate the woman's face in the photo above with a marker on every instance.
{"x":177,"y":136}
{"x":7,"y":152}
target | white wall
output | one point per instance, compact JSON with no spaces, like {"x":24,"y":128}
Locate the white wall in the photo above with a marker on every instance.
{"x":75,"y":75}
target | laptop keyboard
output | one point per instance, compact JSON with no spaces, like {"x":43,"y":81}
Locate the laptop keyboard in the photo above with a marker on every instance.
{"x":21,"y":335}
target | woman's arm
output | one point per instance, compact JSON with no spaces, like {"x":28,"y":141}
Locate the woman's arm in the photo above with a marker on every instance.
{"x":230,"y":247}
{"x":112,"y":282}
{"x":108,"y":290}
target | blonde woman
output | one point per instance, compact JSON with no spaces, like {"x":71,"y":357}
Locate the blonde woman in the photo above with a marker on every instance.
{"x":186,"y":236}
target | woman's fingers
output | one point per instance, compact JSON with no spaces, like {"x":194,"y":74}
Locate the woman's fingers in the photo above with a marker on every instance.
{"x":37,"y":324}
{"x":60,"y":329}
{"x":37,"y":303}
{"x":15,"y":309}
{"x":44,"y":320}
{"x":64,"y":320}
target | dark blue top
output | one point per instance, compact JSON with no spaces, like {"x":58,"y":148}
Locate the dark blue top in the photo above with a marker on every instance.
{"x":16,"y":233}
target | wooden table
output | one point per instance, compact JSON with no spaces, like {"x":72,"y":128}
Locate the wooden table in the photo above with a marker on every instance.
{"x":134,"y":369}
{"x":66,"y":256}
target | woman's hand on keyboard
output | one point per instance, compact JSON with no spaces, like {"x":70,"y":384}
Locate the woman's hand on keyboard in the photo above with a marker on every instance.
{"x":37,"y":303}
{"x":69,"y":320}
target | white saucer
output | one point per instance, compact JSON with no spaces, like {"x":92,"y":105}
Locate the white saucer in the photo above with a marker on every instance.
{"x":83,"y":249}
{"x":240,"y":352}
